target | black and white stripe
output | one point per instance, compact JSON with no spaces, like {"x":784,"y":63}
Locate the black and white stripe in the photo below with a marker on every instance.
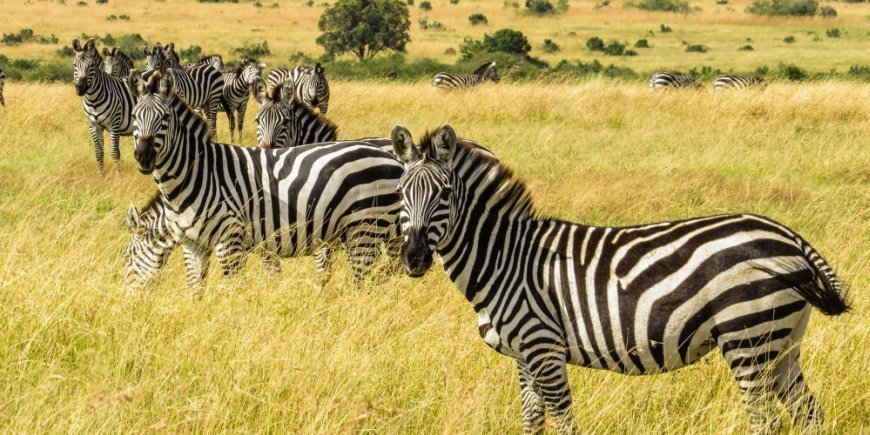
{"x":201,"y":87}
{"x":237,"y":91}
{"x":445,"y":80}
{"x":287,"y":123}
{"x":309,"y":85}
{"x":108,"y":102}
{"x":737,"y":82}
{"x":634,"y":300}
{"x":668,"y":80}
{"x":117,"y":63}
{"x":2,"y":82}
{"x":287,"y":202}
{"x":213,"y":60}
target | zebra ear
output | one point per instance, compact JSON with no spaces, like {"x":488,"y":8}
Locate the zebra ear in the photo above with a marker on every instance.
{"x":167,"y":85}
{"x":286,"y":91}
{"x":90,"y":45}
{"x":318,"y":69}
{"x":77,"y":46}
{"x":444,"y":142}
{"x":133,"y":220}
{"x":258,"y":89}
{"x":135,"y":82}
{"x":105,"y":51}
{"x":403,"y":145}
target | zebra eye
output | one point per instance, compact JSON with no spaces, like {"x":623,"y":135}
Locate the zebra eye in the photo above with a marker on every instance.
{"x":401,"y":195}
{"x":446,"y":191}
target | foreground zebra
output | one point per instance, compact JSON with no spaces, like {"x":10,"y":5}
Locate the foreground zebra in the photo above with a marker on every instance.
{"x":283,"y":123}
{"x":665,"y":80}
{"x":238,"y":86}
{"x":309,"y":85}
{"x":635,"y":300}
{"x":287,"y":202}
{"x":737,"y":82}
{"x":446,"y":80}
{"x":2,"y":82}
{"x":108,"y":102}
{"x":202,"y":87}
{"x":117,"y":63}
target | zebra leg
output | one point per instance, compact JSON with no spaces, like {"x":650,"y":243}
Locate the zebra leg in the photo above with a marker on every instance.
{"x":97,"y":136}
{"x":230,"y":256}
{"x":548,"y":370}
{"x":242,"y":109}
{"x":271,"y":263}
{"x":232,"y":121}
{"x":363,"y":249}
{"x":211,"y":116}
{"x":115,"y":152}
{"x":533,"y":405}
{"x":791,"y":388}
{"x":196,"y":264}
{"x":323,"y":260}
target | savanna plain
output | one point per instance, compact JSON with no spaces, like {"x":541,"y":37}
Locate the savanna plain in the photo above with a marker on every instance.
{"x":262,"y":353}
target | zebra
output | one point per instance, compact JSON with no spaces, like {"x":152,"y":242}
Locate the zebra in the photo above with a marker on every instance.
{"x":287,"y":123}
{"x":202,"y":87}
{"x":737,"y":82}
{"x":309,"y":85}
{"x":445,"y":80}
{"x":172,"y":60}
{"x":213,"y":60}
{"x":151,"y":243}
{"x":237,"y":89}
{"x":117,"y":63}
{"x":232,"y":200}
{"x":664,"y":80}
{"x":2,"y":82}
{"x":635,"y":300}
{"x":108,"y":102}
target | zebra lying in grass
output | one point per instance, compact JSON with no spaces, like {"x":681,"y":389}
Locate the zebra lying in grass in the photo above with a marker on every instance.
{"x":284,"y":202}
{"x":668,"y":80}
{"x":737,"y":82}
{"x":635,"y":300}
{"x":309,"y":85}
{"x":446,"y":80}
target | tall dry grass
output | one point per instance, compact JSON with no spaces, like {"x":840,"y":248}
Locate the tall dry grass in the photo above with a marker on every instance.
{"x":280,"y":354}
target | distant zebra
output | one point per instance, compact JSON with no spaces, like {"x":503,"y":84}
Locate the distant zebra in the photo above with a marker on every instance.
{"x":287,"y":123}
{"x":445,"y":80}
{"x":172,"y":60}
{"x":309,"y":85}
{"x":213,"y":60}
{"x":288,"y":202}
{"x":108,"y":102}
{"x":202,"y":87}
{"x":117,"y":63}
{"x":237,"y":90}
{"x":737,"y":82}
{"x":665,"y":80}
{"x":2,"y":82}
{"x":635,"y":300}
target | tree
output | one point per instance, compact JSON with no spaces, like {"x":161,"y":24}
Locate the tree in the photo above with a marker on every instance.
{"x":364,"y":27}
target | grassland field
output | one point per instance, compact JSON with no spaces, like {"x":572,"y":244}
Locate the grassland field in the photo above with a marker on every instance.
{"x":263,"y":354}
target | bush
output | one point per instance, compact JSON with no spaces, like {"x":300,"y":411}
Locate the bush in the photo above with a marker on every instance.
{"x":788,"y":39}
{"x":630,"y":53}
{"x":190,"y":54}
{"x":745,"y":48}
{"x":578,"y":69}
{"x":426,"y":6}
{"x":478,"y":18}
{"x":664,"y":29}
{"x":614,"y":48}
{"x":507,"y":41}
{"x":827,"y":12}
{"x":118,"y":17}
{"x":595,"y":44}
{"x":364,"y":27}
{"x":253,"y":50}
{"x":641,"y":43}
{"x":410,"y":2}
{"x":454,"y":2}
{"x":662,"y":5}
{"x":545,"y":7}
{"x":696,"y":48}
{"x":435,"y":25}
{"x":860,"y":72}
{"x":102,"y":2}
{"x":795,"y":8}
{"x":549,"y":46}
{"x":27,"y":35}
{"x":791,"y":72}
{"x":721,"y":2}
{"x":833,"y":33}
{"x":450,"y":50}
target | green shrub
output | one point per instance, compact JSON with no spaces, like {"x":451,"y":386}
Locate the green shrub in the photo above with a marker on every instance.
{"x":454,"y":2}
{"x":540,"y":7}
{"x":664,"y":29}
{"x":426,"y":6}
{"x":450,"y":51}
{"x":410,"y":2}
{"x":434,"y":25}
{"x":721,"y":2}
{"x":253,"y":50}
{"x":102,"y":2}
{"x":27,"y":35}
{"x":791,"y":72}
{"x":696,"y":48}
{"x":506,"y":41}
{"x":833,"y":33}
{"x":788,"y":39}
{"x":614,"y":48}
{"x":827,"y":12}
{"x":549,"y":46}
{"x":662,"y":5}
{"x":595,"y":44}
{"x":795,"y":8}
{"x":745,"y":48}
{"x":859,"y":72}
{"x":364,"y":28}
{"x":641,"y":43}
{"x":579,"y":70}
{"x":630,"y":53}
{"x":478,"y":18}
{"x":190,"y":54}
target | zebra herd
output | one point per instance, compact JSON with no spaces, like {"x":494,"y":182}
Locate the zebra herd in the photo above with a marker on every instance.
{"x":634,"y":300}
{"x":669,"y":80}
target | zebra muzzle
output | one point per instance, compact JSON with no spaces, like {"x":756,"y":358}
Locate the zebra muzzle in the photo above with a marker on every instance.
{"x":145,"y":154}
{"x":416,"y":255}
{"x":81,"y":87}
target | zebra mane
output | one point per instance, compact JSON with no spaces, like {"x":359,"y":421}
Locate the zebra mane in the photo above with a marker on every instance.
{"x":482,"y":68}
{"x":505,"y":186}
{"x":320,"y":119}
{"x":152,"y":85}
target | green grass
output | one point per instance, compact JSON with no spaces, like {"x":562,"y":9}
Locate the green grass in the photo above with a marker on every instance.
{"x":258,"y":354}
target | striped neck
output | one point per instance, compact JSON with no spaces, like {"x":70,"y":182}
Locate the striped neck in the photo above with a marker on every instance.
{"x":185,"y":158}
{"x":309,"y":127}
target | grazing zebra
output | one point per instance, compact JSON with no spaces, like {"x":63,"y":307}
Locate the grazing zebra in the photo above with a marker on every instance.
{"x":635,"y":300}
{"x":737,"y":82}
{"x":151,"y":243}
{"x":665,"y":80}
{"x":237,"y":90}
{"x":288,"y":202}
{"x":213,"y":60}
{"x":309,"y":85}
{"x":117,"y":63}
{"x":445,"y":80}
{"x":108,"y":102}
{"x":202,"y":87}
{"x":2,"y":82}
{"x":287,"y":123}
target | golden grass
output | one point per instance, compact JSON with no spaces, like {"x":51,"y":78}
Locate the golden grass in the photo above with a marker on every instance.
{"x":257,"y":354}
{"x":292,"y":27}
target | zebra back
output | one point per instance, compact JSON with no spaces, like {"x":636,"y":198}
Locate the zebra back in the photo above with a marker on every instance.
{"x":445,"y":80}
{"x":665,"y":80}
{"x":737,"y":82}
{"x":213,"y":60}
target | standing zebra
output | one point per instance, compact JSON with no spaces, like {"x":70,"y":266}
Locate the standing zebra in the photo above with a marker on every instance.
{"x":117,"y":63}
{"x":444,"y":80}
{"x":238,"y":86}
{"x":213,"y":60}
{"x":288,"y":202}
{"x":665,"y":80}
{"x":2,"y":82}
{"x":172,"y":60}
{"x":202,"y":87}
{"x":634,"y":300}
{"x":108,"y":102}
{"x":737,"y":82}
{"x":287,"y":123}
{"x":309,"y":85}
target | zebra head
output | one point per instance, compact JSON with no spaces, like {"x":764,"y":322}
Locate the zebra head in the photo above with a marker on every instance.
{"x":249,"y":71}
{"x":316,"y":89}
{"x":426,"y":190}
{"x":150,"y":243}
{"x":114,"y":61}
{"x":85,"y":66}
{"x":273,"y":128}
{"x":155,"y":58}
{"x":151,"y":116}
{"x":172,"y":60}
{"x":490,"y":72}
